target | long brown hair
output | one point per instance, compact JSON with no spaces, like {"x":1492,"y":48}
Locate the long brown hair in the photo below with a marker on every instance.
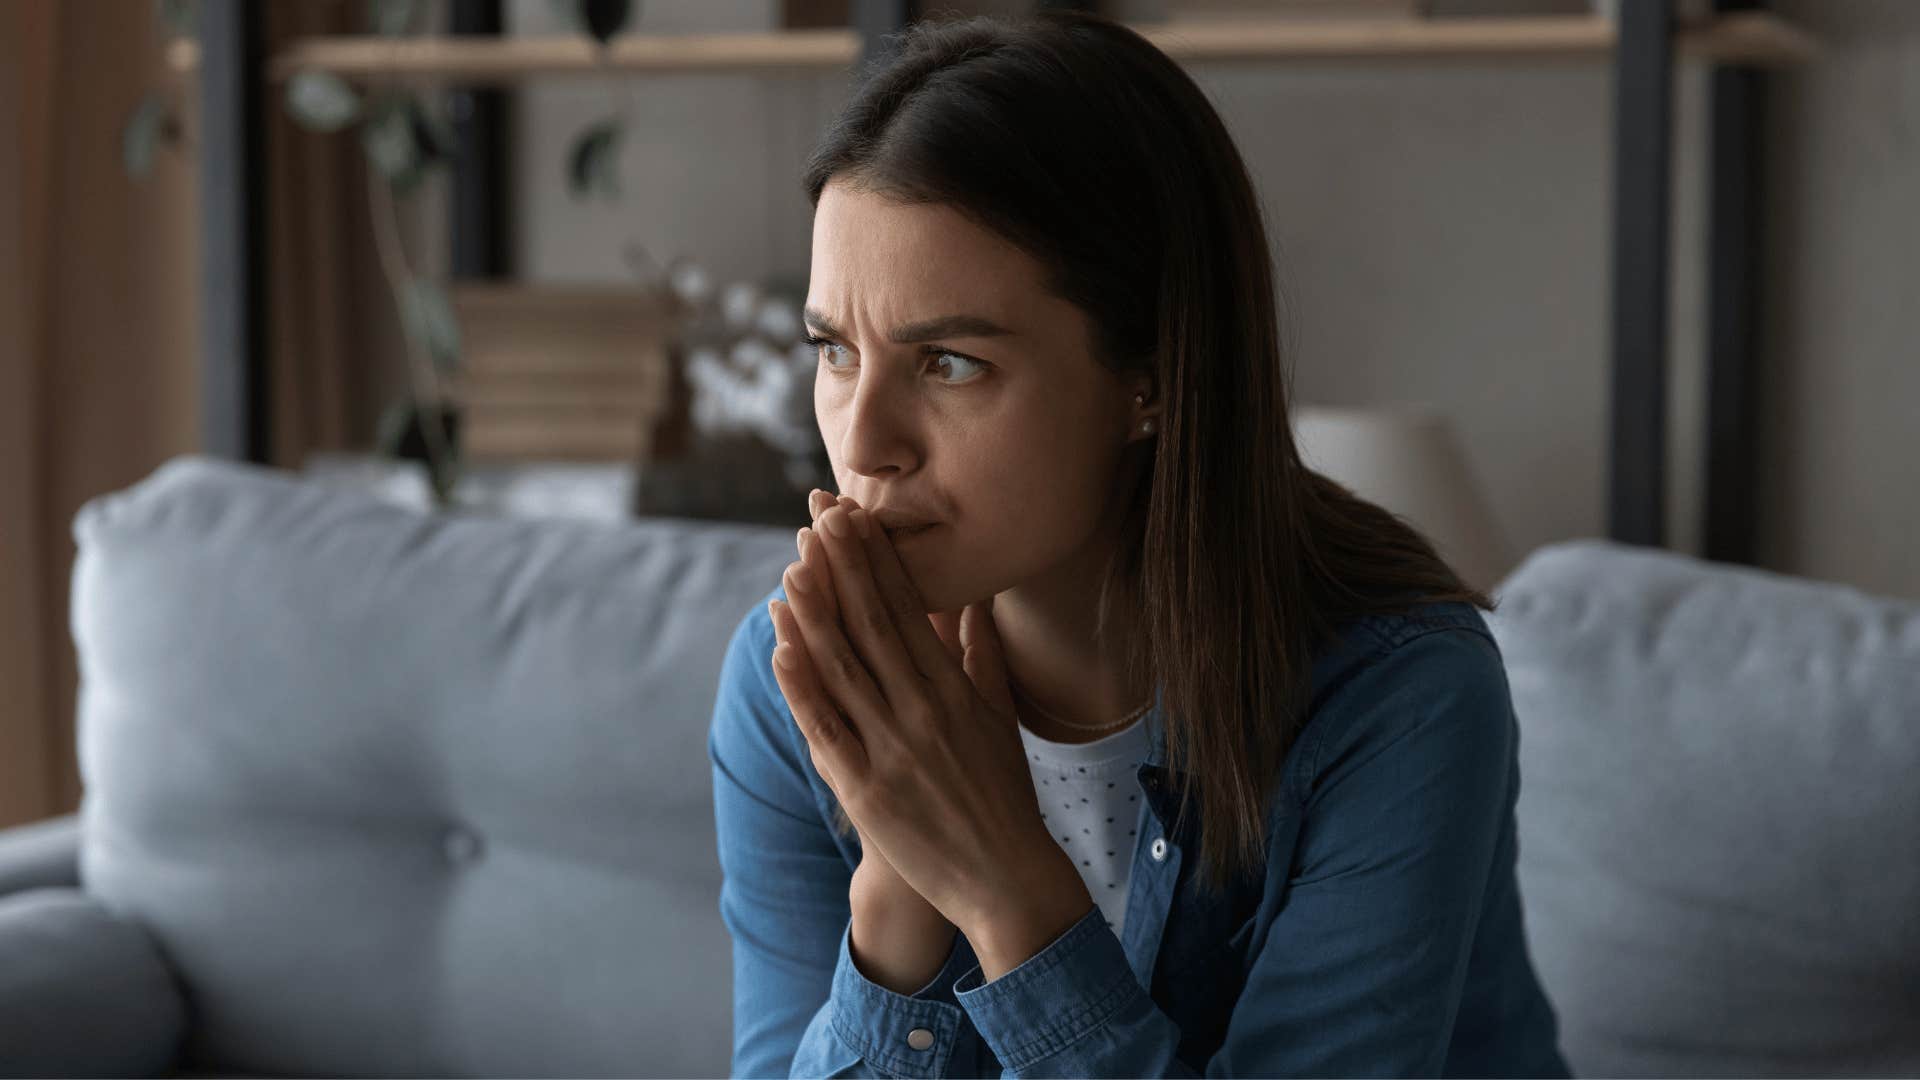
{"x":1083,"y":144}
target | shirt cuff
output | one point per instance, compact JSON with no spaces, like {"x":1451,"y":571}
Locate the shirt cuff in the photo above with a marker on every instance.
{"x":879,"y":1023}
{"x":1055,"y":997}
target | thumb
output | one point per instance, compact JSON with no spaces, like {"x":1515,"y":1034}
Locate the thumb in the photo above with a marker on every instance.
{"x":986,"y":665}
{"x":946,"y":626}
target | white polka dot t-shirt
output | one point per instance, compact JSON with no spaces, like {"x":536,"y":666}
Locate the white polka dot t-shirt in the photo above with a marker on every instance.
{"x":1090,"y":798}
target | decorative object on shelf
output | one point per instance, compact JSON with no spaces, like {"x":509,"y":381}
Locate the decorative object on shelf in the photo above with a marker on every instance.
{"x":561,"y":372}
{"x":1407,"y":460}
{"x":749,"y":446}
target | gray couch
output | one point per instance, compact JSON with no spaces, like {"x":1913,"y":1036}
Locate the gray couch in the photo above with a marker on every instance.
{"x":373,"y":792}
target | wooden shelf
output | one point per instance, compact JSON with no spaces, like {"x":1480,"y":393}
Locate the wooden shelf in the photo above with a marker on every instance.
{"x":505,"y":60}
{"x":1757,"y":38}
{"x":1744,"y":38}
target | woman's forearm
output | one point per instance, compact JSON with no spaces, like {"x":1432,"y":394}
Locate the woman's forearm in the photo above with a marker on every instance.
{"x":899,"y":950}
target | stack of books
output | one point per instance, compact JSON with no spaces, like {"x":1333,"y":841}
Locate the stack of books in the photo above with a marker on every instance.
{"x":562,"y":372}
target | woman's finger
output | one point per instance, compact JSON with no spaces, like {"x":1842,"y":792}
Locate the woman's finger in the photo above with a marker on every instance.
{"x":813,"y":552}
{"x":841,"y":671}
{"x":834,"y":746}
{"x":933,"y":657}
{"x":947,"y":625}
{"x":866,"y":616}
{"x":985,"y":663}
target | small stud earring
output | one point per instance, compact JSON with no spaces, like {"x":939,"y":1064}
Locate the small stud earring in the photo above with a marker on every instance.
{"x":1146,"y":427}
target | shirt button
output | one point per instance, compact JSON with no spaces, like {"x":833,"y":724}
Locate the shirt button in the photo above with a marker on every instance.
{"x":919,"y":1038}
{"x":1159,"y":848}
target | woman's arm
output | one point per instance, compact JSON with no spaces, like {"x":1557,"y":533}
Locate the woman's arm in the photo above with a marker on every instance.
{"x":783,"y":894}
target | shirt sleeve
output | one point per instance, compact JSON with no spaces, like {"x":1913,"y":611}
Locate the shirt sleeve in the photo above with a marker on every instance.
{"x":865,"y":1022}
{"x":800,"y":1006}
{"x":1360,"y":972}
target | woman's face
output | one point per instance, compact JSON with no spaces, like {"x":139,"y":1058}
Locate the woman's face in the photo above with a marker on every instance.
{"x":954,"y":389}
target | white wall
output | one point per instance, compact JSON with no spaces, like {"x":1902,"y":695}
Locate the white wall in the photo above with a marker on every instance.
{"x":1841,"y":468}
{"x":1442,"y":235}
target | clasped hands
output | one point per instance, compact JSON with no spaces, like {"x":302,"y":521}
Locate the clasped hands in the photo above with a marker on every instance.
{"x":909,"y":720}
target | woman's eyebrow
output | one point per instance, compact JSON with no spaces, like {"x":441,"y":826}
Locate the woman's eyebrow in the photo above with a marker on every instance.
{"x":945,"y":326}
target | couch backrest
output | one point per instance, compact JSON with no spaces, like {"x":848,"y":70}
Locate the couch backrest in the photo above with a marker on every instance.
{"x":1719,"y":814}
{"x":401,"y":794}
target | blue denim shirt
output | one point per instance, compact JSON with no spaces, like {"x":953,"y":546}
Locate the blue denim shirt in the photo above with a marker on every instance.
{"x":1383,"y":936}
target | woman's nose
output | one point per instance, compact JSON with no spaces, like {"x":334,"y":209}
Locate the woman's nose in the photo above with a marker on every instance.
{"x":877,"y":433}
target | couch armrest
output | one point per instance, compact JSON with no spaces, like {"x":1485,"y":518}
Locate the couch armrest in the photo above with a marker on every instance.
{"x":83,"y":992}
{"x":44,"y":854}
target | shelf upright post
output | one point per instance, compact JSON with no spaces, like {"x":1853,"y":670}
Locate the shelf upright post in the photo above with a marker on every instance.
{"x":1642,"y":186}
{"x":1734,"y":269}
{"x":233,"y":190}
{"x":480,"y":226}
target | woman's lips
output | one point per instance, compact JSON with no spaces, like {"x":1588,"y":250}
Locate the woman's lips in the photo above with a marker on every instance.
{"x":899,"y":535}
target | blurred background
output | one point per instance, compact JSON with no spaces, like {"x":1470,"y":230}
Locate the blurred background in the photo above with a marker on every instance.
{"x":1549,"y":270}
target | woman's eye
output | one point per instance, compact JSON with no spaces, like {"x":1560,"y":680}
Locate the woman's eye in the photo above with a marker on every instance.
{"x":821,"y":344}
{"x":968,"y":367}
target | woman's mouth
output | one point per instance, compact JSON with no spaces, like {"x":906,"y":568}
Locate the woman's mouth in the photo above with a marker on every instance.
{"x":909,"y":532}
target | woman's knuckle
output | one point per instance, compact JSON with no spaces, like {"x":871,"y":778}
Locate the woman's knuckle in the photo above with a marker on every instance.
{"x":846,"y":665}
{"x":876,"y":621}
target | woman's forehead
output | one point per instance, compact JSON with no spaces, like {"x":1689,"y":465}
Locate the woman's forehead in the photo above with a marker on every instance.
{"x":859,"y":235}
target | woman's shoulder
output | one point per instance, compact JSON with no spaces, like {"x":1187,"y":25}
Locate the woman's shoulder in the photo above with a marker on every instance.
{"x":1431,"y":669}
{"x":1359,"y":641}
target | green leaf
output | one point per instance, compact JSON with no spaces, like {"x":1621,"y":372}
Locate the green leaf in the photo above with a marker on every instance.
{"x":176,"y":16}
{"x":321,"y":101}
{"x":594,"y":160}
{"x":141,"y":136}
{"x":392,"y":18}
{"x":604,"y":18}
{"x":430,"y":321}
{"x":391,"y":147}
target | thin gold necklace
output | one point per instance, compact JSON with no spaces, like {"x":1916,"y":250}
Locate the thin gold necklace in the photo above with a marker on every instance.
{"x":1122,"y":722}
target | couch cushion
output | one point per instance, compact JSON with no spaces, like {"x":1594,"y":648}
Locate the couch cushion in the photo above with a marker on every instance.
{"x":1719,"y":814}
{"x":404,"y":794}
{"x":82,"y":991}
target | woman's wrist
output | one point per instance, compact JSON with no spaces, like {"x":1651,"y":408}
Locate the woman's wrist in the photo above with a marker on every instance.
{"x":900,"y":946}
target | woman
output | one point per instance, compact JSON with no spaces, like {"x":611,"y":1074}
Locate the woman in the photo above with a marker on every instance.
{"x":1093,"y":734}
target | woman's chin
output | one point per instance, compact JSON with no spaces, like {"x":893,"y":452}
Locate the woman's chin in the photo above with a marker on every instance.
{"x":954,"y":596}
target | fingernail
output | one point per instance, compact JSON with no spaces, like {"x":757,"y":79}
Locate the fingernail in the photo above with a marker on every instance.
{"x":797,"y":577}
{"x":860,"y":522}
{"x":835,"y":523}
{"x":800,"y":540}
{"x":783,"y":655}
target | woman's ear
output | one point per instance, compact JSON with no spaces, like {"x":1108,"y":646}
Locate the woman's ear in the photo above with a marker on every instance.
{"x":1146,"y":412}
